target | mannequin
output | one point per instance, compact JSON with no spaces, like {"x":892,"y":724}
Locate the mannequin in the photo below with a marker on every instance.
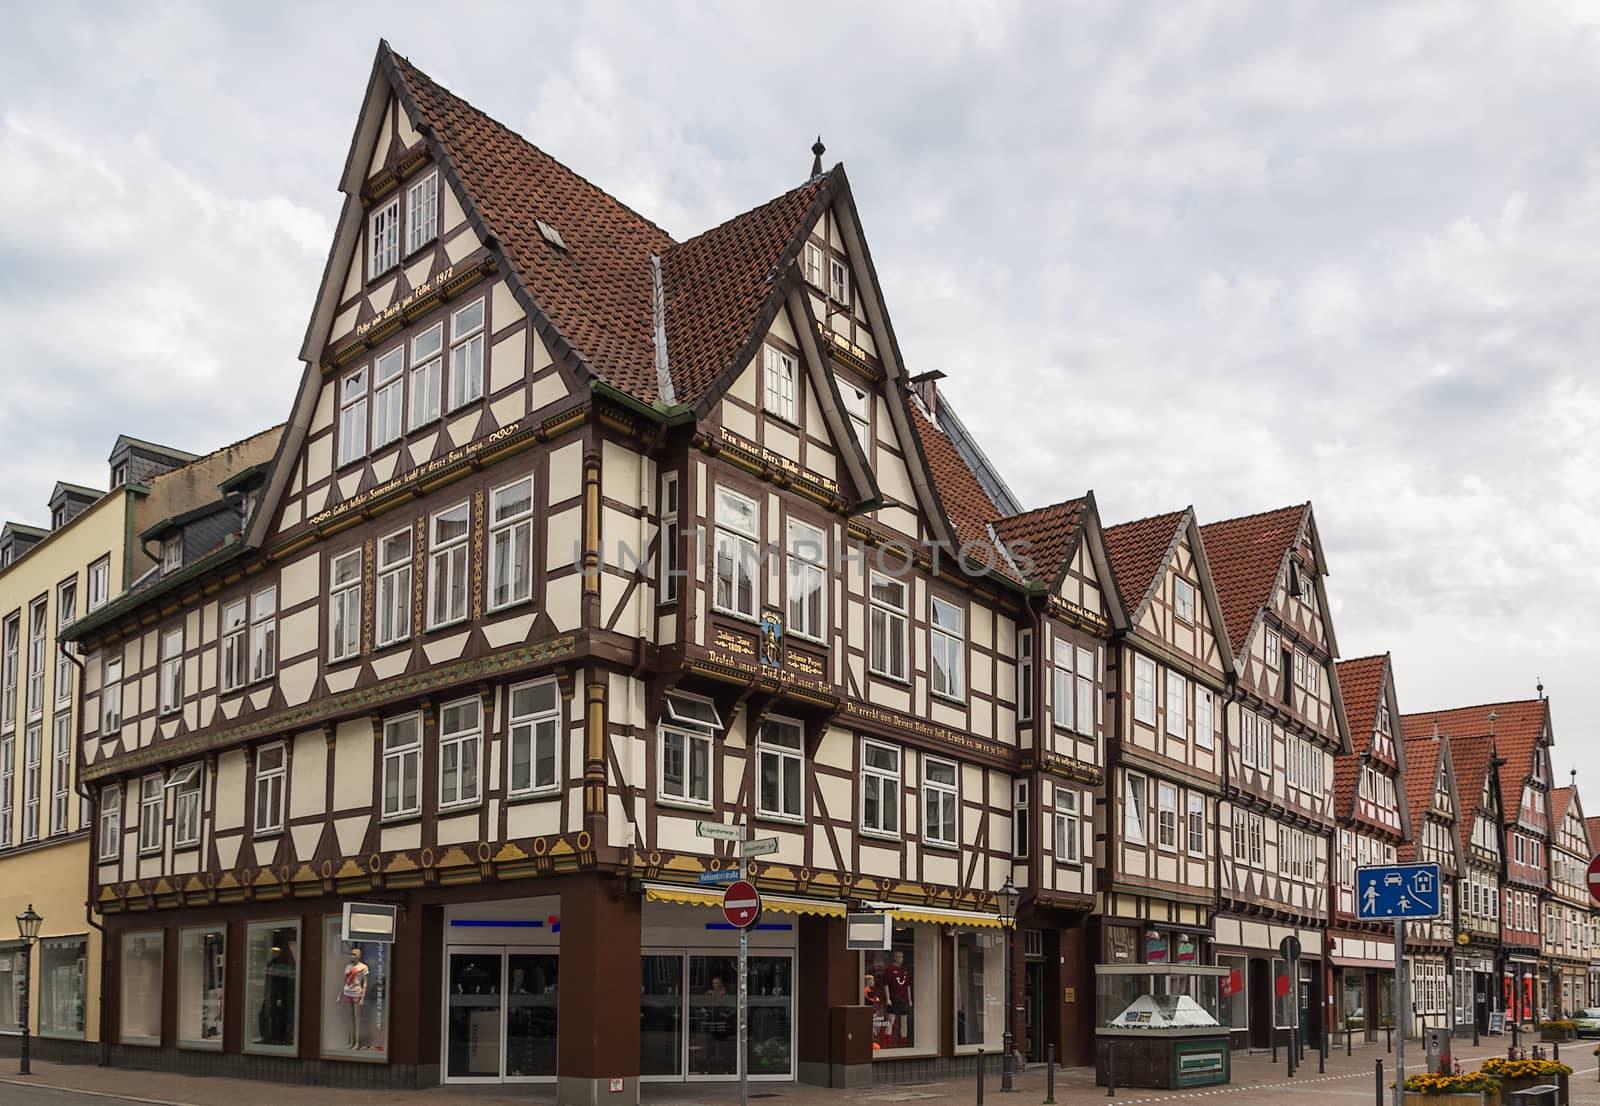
{"x":354,"y":994}
{"x":897,"y":988}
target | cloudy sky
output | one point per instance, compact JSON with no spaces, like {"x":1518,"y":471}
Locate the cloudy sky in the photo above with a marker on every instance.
{"x":1233,"y":255}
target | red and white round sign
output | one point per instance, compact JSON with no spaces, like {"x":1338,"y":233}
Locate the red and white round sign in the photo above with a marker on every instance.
{"x":1594,"y":878}
{"x":741,"y":904}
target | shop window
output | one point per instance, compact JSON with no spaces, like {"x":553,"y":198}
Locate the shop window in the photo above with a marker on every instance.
{"x":141,"y":988}
{"x":1157,"y":947}
{"x":901,"y":986}
{"x":1235,"y":1002}
{"x":63,"y":962}
{"x":980,"y":988}
{"x":355,"y":996}
{"x":272,"y":987}
{"x":10,"y":987}
{"x":201,"y":964}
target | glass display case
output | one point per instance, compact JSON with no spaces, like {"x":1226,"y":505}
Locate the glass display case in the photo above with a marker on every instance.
{"x":1160,"y":1025}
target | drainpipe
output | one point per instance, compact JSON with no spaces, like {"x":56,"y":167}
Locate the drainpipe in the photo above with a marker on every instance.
{"x":94,"y":812}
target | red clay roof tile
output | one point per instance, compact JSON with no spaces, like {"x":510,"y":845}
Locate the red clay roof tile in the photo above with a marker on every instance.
{"x":1042,"y":537}
{"x":1361,"y":688}
{"x":1516,"y":728}
{"x":1245,"y":555}
{"x":1470,"y":756}
{"x":1137,"y":551}
{"x":1423,"y":757}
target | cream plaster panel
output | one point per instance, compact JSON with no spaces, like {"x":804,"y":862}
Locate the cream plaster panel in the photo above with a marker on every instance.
{"x":949,"y":715}
{"x":619,"y":472}
{"x":675,"y":831}
{"x":228,"y":850}
{"x":341,"y":679}
{"x":781,"y":328}
{"x":390,"y":664}
{"x":297,"y":636}
{"x":566,"y":472}
{"x":549,"y":387}
{"x":457,"y":830}
{"x":292,"y":513}
{"x":348,"y":484}
{"x":419,"y":272}
{"x":535,"y":819}
{"x":464,"y":429}
{"x":509,"y":408}
{"x":352,"y":765}
{"x":352,"y":273}
{"x":230,"y":707}
{"x":319,"y":459}
{"x":893,"y":479}
{"x":563,"y":539}
{"x":782,"y":441}
{"x":982,"y":724}
{"x":308,"y":774}
{"x":890,"y":695}
{"x":507,"y":631}
{"x":504,"y":309}
{"x":264,"y":851}
{"x":298,"y":680}
{"x":451,"y":216}
{"x":382,"y":295}
{"x":229,"y":813}
{"x":144,"y":699}
{"x":877,"y":861}
{"x":898,"y":519}
{"x":382,"y":469}
{"x":508,"y":357}
{"x":820,"y":459}
{"x":394,"y":838}
{"x":620,"y":710}
{"x":446,"y":649}
{"x":380,"y":150}
{"x":1255,"y":935}
{"x":835,"y":793}
{"x":421,"y":449}
{"x":344,"y":322}
{"x":299,"y":482}
{"x":739,"y":420}
{"x":351,"y":832}
{"x":744,"y":385}
{"x":939,"y":867}
{"x":461,"y":245}
{"x":300,"y":581}
{"x":306,"y":839}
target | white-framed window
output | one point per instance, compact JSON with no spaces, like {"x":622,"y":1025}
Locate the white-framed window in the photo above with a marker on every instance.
{"x":272,"y":772}
{"x":1258,"y":839}
{"x":66,"y":611}
{"x":466,"y":355}
{"x":533,"y":743}
{"x":447,"y":566}
{"x":185,"y":785}
{"x":171,"y":554}
{"x":384,"y":238}
{"x":1019,"y":819}
{"x":838,"y":280}
{"x":780,"y":769}
{"x":110,"y":823}
{"x":422,"y":212}
{"x":888,"y":626}
{"x":152,"y":810}
{"x":1061,"y":686}
{"x":111,"y":695}
{"x":394,"y":587}
{"x":779,"y":384}
{"x":32,"y":779}
{"x":808,"y":580}
{"x":858,"y":406}
{"x":99,"y":583}
{"x":1068,"y":833}
{"x":1177,"y":704}
{"x":402,"y":766}
{"x":947,"y":644}
{"x":263,"y":634}
{"x":1167,"y":816}
{"x":1195,"y":823}
{"x":1024,"y":675}
{"x":880,"y":788}
{"x":1204,"y":720}
{"x":1144,"y":690}
{"x":814,"y":266}
{"x":172,"y":670}
{"x":738,"y":521}
{"x":511,"y":544}
{"x":60,"y":772}
{"x":12,"y":634}
{"x":1133,"y":809}
{"x":940,"y":802}
{"x":1183,"y":599}
{"x":427,"y":373}
{"x":38,"y":620}
{"x":235,"y":660}
{"x":8,"y":784}
{"x":460,"y":742}
{"x":353,"y":416}
{"x":670,"y":555}
{"x":388,"y":396}
{"x":1084,"y":676}
{"x":344,"y":605}
{"x":686,"y":734}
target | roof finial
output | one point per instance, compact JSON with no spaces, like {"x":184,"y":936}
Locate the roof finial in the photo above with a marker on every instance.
{"x":1540,"y":685}
{"x":817,"y":150}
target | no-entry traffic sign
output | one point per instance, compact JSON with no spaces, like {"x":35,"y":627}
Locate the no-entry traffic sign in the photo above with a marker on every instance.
{"x":741,"y":904}
{"x":1594,"y":878}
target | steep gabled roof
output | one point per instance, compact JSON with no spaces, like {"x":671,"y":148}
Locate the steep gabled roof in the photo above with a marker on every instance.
{"x":1424,"y":758}
{"x":1361,"y":687}
{"x":1560,"y":798}
{"x":1470,"y":756}
{"x":1043,"y":538}
{"x":1593,"y":826}
{"x":1517,"y":728}
{"x":960,"y":496}
{"x":1138,"y":550}
{"x":1246,"y":555}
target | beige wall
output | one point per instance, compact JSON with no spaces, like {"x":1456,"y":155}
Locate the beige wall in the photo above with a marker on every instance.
{"x":54,"y":879}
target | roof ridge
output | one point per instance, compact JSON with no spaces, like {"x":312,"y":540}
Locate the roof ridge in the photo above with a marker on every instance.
{"x":1259,"y":514}
{"x":1071,"y":499}
{"x":1149,"y":518}
{"x":745,"y":214}
{"x":1358,"y":660}
{"x":1473,"y":706}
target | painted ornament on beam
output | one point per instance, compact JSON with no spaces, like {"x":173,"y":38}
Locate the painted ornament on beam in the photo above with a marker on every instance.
{"x":771,"y":638}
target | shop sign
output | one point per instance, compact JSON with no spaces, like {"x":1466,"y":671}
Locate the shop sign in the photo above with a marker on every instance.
{"x":869,"y":932}
{"x":369,"y":923}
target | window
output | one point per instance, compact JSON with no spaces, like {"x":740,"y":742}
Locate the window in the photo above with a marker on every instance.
{"x":511,"y":544}
{"x":402,"y":766}
{"x":737,"y":530}
{"x":1257,"y":840}
{"x":686,"y":732}
{"x":63,"y":970}
{"x":880,"y":788}
{"x":388,"y":394}
{"x":858,"y":405}
{"x":946,"y":644}
{"x":779,"y":387}
{"x":171,"y":670}
{"x":1024,"y":675}
{"x":1061,"y":686}
{"x":111,"y":696}
{"x":353,"y":417}
{"x":1183,"y":599}
{"x":1241,"y":837}
{"x":466,"y":355}
{"x":888,"y":626}
{"x":671,"y":563}
{"x":422,"y":212}
{"x":1167,"y":816}
{"x":1144,"y":690}
{"x":394,"y":587}
{"x":808,"y":580}
{"x":171,"y":555}
{"x":66,"y":611}
{"x":110,"y":823}
{"x":272,"y":987}
{"x":838,"y":280}
{"x":780,"y":768}
{"x":1086,"y":698}
{"x":272,"y":763}
{"x":234,"y":657}
{"x":385,"y":238}
{"x":8,"y":673}
{"x":814,"y":275}
{"x":186,"y":786}
{"x":140,"y":1000}
{"x":535,"y":737}
{"x":99,"y":582}
{"x":60,"y":772}
{"x":1019,"y":819}
{"x":37,"y":621}
{"x":1067,"y":831}
{"x":1133,"y":800}
{"x":263,"y":634}
{"x":32,"y":779}
{"x":1204,"y":726}
{"x":119,"y":474}
{"x":1177,"y":704}
{"x":355,"y":982}
{"x":447,"y":566}
{"x":460,"y":737}
{"x":201,"y":960}
{"x":344,"y":606}
{"x":1195,"y":819}
{"x":8,"y":783}
{"x":426,"y":375}
{"x":152,"y":808}
{"x":940,"y":802}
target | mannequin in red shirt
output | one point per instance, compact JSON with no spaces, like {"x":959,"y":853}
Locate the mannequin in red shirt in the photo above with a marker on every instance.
{"x":895,"y":982}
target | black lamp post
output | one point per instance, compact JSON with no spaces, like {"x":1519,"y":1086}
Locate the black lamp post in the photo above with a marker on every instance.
{"x":28,"y":923}
{"x":1007,"y":898}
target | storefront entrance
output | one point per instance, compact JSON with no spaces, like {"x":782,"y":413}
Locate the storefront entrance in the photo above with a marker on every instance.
{"x":501,"y":1024}
{"x":689,"y":1017}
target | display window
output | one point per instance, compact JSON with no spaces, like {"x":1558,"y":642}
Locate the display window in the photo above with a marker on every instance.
{"x":901,"y":984}
{"x":1234,"y":995}
{"x":272,"y":987}
{"x":63,"y":962}
{"x":202,"y":958}
{"x":10,"y":987}
{"x":355,"y":996}
{"x":1122,"y":944}
{"x":1156,"y":946}
{"x":141,"y":988}
{"x":980,"y":989}
{"x":689,"y":1015}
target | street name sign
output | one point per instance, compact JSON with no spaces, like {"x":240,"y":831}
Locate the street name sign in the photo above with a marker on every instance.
{"x":722,"y":875}
{"x":1397,"y":891}
{"x":761,"y":846}
{"x":718,"y":831}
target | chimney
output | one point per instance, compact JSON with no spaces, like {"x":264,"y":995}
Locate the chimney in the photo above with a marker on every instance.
{"x":927,"y":386}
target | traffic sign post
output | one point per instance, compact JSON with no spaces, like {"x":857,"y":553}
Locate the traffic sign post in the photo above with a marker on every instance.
{"x":1400,"y":891}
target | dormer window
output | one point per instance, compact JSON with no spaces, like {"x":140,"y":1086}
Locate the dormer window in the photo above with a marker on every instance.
{"x":422,"y":212}
{"x":171,"y":554}
{"x":248,"y":509}
{"x":119,"y":474}
{"x":58,"y":517}
{"x":385,"y":238}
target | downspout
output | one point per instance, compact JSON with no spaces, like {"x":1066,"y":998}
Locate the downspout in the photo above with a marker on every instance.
{"x":94,"y":817}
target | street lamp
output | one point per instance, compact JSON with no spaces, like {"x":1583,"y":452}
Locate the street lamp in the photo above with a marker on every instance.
{"x":1007,"y":898}
{"x":28,"y":923}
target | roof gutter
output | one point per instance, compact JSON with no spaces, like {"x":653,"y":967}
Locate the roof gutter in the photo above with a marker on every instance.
{"x":676,"y":414}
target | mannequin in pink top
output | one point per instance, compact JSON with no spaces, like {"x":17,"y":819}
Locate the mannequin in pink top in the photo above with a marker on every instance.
{"x":354,"y":993}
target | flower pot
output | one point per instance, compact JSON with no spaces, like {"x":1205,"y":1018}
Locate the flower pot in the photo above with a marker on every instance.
{"x":1507,"y":1086}
{"x":1414,"y":1098}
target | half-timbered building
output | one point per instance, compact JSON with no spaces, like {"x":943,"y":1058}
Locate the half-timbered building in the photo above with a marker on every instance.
{"x":1374,"y":821}
{"x":1284,"y":724}
{"x":1568,"y":935}
{"x":1432,"y":800}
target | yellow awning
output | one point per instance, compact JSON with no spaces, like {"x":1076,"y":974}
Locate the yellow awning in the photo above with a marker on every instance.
{"x":934,"y":916}
{"x":704,"y":896}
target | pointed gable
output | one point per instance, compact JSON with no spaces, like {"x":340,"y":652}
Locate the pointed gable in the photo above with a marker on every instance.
{"x":1139,"y":550}
{"x":1470,"y":757}
{"x":965,"y":504}
{"x":1560,"y":799}
{"x":1429,"y":770}
{"x":1043,"y":538}
{"x":1518,"y":728}
{"x":1245,"y":556}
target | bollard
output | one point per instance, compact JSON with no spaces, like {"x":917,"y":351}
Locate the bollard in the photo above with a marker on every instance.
{"x":1388,"y":1038}
{"x":1555,"y":1051}
{"x":1322,"y":1055}
{"x":1293,"y":1048}
{"x":1380,"y":1082}
{"x":980,"y":1077}
{"x":1347,"y":1037}
{"x":1111,"y":1069}
{"x":1050,"y":1075}
{"x":1274,"y":1044}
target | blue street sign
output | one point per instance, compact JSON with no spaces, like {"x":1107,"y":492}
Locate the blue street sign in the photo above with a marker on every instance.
{"x":722,"y":875}
{"x":1397,"y":891}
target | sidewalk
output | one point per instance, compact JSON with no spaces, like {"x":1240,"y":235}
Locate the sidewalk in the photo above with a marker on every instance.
{"x":1256,"y":1082}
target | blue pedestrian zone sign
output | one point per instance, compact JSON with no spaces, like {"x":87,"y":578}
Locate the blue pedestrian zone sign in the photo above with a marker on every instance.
{"x":1398,"y":891}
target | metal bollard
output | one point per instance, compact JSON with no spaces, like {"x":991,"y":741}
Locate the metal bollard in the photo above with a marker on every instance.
{"x":1050,"y":1075}
{"x":1555,"y":1051}
{"x":980,"y":1077}
{"x":1388,"y":1038}
{"x":1322,"y":1054}
{"x":1111,"y":1069}
{"x":1347,"y":1037}
{"x":1274,"y":1044}
{"x":1293,"y":1049}
{"x":1380,"y":1083}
